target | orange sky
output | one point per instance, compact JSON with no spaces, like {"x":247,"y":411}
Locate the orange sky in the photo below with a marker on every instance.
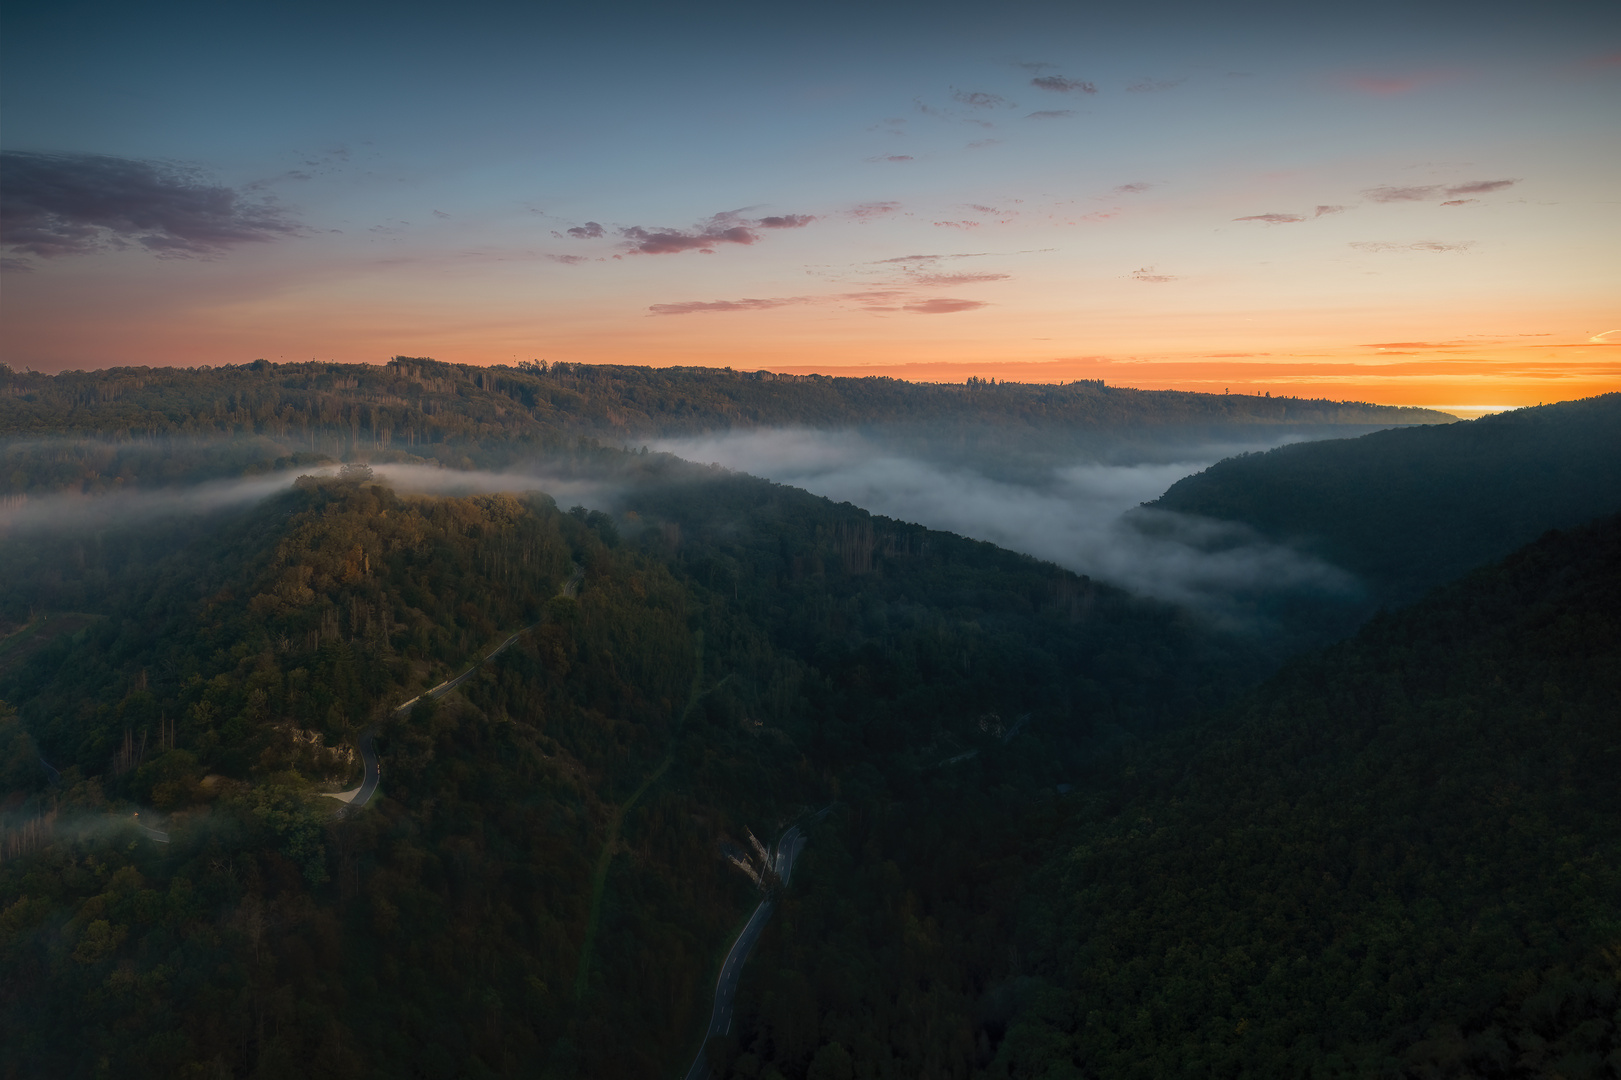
{"x":1377,"y":208}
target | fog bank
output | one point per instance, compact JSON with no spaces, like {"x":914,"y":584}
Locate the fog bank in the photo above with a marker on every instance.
{"x":1086,"y":516}
{"x":74,"y":511}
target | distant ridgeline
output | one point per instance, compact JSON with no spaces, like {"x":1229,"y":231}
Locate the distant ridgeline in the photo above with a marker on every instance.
{"x":1408,"y":509}
{"x":487,"y":416}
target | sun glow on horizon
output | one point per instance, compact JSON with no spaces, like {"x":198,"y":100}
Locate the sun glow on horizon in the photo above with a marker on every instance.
{"x":1304,"y":210}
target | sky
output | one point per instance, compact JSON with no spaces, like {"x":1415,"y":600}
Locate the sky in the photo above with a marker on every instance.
{"x":1406,"y":203}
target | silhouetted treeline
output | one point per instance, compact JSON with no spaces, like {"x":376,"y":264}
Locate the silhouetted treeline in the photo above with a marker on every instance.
{"x":450,"y":412}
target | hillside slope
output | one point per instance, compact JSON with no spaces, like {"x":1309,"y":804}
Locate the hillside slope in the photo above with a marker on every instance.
{"x":752,"y":649}
{"x":1400,"y":857}
{"x":1410,"y":508}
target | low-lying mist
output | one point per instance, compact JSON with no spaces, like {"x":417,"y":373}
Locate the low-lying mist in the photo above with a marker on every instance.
{"x":68,"y":511}
{"x":1085,"y":515}
{"x":1075,"y":504}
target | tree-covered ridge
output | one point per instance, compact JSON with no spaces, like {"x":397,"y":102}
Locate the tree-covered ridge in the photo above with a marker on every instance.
{"x":442,"y":927}
{"x":237,"y":660}
{"x":1400,"y":857}
{"x":415,"y":405}
{"x":1406,"y":509}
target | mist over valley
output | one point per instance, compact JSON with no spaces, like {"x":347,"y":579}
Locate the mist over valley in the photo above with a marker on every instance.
{"x":386,"y":692}
{"x":1084,"y":514}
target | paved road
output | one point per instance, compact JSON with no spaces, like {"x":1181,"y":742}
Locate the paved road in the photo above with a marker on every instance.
{"x":360,"y":796}
{"x":787,"y":849}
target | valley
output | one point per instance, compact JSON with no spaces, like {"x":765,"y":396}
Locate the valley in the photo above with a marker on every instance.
{"x":1299,"y":768}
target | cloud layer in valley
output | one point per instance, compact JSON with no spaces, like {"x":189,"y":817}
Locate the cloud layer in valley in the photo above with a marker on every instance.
{"x":74,"y":512}
{"x":1087,"y":516}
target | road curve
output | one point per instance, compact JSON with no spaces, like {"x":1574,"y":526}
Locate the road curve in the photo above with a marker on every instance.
{"x":783,"y":854}
{"x":360,"y":796}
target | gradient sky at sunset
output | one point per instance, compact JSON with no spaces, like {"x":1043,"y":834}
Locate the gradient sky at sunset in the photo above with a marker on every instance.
{"x":1407,"y":203}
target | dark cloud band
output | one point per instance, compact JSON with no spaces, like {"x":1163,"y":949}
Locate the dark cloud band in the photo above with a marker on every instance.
{"x":1058,"y":84}
{"x":723,"y":228}
{"x":76,"y":204}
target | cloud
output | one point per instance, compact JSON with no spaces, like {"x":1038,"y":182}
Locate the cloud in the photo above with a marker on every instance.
{"x":1321,"y":210}
{"x":1459,"y":202}
{"x":1272,"y":219}
{"x":1037,"y":66}
{"x":956,"y":279}
{"x":932,"y":258}
{"x":672,"y":241}
{"x":1149,"y":86}
{"x":1604,"y":338}
{"x":746,"y":304}
{"x":1414,"y":345}
{"x":1146,"y":273}
{"x":726,"y":227}
{"x":957,"y":224}
{"x":569,"y":260}
{"x":1441,"y":245}
{"x":891,"y":157}
{"x":873,"y":209}
{"x":980,"y":144}
{"x":16,"y":266}
{"x":1425,"y":192}
{"x":942,"y":306}
{"x":887,"y":299}
{"x":1480,"y":187}
{"x":1402,"y":194}
{"x":1421,"y":245}
{"x":1133,"y":189}
{"x":978,"y":99}
{"x":787,"y":221}
{"x":1384,"y":87}
{"x":77,"y":204}
{"x":1061,"y":85}
{"x":591,"y":230}
{"x":1049,"y":114}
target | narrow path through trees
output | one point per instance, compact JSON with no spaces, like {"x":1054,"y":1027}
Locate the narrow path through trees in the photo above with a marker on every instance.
{"x":360,"y":796}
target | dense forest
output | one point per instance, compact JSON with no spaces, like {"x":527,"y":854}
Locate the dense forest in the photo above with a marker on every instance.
{"x":1401,"y":856}
{"x":157,"y":424}
{"x":1068,"y":831}
{"x":1406,"y":508}
{"x":837,"y":649}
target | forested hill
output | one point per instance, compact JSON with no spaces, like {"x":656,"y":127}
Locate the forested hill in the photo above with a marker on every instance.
{"x":1407,"y":509}
{"x":412,"y":402}
{"x":737,"y":653}
{"x":1400,"y":857}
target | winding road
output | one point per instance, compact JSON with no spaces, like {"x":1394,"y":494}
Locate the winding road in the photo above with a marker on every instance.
{"x":783,"y":854}
{"x":360,"y":796}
